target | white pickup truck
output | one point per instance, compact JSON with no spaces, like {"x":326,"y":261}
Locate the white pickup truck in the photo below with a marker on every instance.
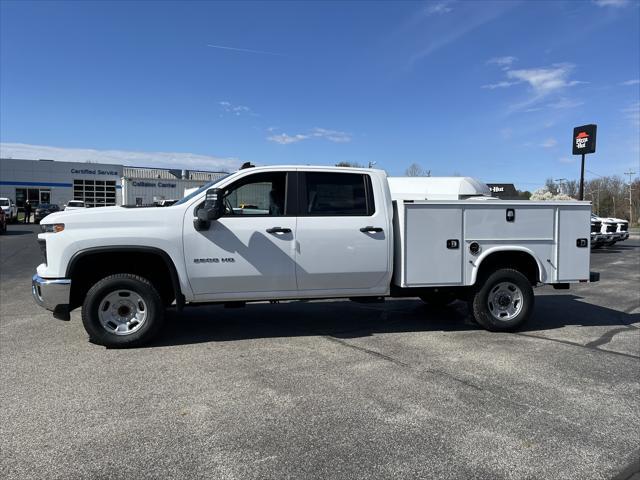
{"x":291,"y":232}
{"x":10,"y":209}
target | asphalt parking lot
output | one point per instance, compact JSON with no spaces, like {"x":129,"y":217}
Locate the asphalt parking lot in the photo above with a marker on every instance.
{"x":327,"y":389}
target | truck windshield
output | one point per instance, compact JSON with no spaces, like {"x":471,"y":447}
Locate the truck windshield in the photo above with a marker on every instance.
{"x":200,"y":190}
{"x":4,"y":202}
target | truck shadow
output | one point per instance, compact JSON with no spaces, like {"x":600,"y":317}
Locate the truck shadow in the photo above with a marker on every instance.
{"x":614,"y":249}
{"x":10,"y":232}
{"x":345,"y":319}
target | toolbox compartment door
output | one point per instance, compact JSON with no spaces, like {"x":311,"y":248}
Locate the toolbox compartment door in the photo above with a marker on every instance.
{"x":429,"y":259}
{"x":574,"y":224}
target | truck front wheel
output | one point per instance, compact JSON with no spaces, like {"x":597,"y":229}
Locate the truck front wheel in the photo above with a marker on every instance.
{"x":504,"y":301}
{"x":122,"y":310}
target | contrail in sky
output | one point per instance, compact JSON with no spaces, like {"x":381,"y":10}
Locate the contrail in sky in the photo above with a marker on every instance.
{"x":246,"y":50}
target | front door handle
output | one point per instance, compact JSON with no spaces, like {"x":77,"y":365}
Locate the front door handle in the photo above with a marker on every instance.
{"x":371,"y":229}
{"x":278,"y":230}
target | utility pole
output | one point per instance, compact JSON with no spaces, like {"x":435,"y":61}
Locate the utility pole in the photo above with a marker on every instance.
{"x":630,"y":173}
{"x":561,"y":182}
{"x":614,"y":205}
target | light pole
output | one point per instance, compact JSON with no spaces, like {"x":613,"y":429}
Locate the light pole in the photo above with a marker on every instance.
{"x":630,"y":173}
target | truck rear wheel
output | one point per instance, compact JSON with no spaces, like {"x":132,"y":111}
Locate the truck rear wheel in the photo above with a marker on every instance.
{"x":504,"y":302}
{"x":122,"y":310}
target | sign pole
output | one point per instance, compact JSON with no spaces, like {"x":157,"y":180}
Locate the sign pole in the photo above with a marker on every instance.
{"x":584,"y":142}
{"x":582,"y":179}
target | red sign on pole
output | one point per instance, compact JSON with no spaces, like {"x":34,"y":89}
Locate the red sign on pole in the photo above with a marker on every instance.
{"x":584,"y":139}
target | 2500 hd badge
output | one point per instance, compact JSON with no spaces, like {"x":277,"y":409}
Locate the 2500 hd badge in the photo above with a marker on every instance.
{"x":214,"y":260}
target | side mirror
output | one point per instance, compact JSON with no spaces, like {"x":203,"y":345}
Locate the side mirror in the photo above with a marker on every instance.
{"x":212,"y":209}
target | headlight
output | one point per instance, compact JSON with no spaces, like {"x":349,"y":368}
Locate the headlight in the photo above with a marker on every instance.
{"x":52,"y":227}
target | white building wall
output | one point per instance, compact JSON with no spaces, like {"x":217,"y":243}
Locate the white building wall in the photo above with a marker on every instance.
{"x":146,"y":191}
{"x":59,"y":182}
{"x":56,"y":178}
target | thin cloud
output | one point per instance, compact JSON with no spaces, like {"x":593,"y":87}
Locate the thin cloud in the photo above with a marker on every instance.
{"x":284,"y":139}
{"x":549,"y":143}
{"x":628,"y":83}
{"x":471,"y":17}
{"x":503,"y":84}
{"x":331,"y":135}
{"x":120,"y":157}
{"x":236,"y":110}
{"x":545,"y":80}
{"x":611,"y":3}
{"x":563,"y":103}
{"x":321,"y":133}
{"x":439,"y":8}
{"x":246,"y":50}
{"x":502,"y":61}
{"x":633,"y":113}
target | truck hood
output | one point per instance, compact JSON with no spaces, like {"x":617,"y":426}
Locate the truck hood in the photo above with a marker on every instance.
{"x":111,"y":216}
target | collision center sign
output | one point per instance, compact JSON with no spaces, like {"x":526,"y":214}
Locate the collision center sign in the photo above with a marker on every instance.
{"x":584,"y":139}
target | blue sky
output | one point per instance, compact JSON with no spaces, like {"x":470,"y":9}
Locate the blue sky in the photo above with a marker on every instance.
{"x":486,"y":89}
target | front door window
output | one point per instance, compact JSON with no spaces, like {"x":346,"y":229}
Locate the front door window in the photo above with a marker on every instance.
{"x":261,"y":194}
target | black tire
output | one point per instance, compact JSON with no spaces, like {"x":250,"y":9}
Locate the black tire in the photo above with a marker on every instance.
{"x":438,"y":298}
{"x":123,"y":281}
{"x":481,"y":300}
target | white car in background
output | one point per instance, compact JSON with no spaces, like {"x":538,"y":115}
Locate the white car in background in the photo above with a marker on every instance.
{"x":623,"y":228}
{"x":598,"y":239}
{"x":74,"y":205}
{"x":610,"y":229}
{"x":9,"y":208}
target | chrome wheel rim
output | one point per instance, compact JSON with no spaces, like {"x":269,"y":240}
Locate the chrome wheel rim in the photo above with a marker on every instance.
{"x":505,"y":301}
{"x":122,"y":312}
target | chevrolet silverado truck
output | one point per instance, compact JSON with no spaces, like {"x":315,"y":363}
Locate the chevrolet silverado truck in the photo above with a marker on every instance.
{"x":623,"y":228}
{"x":610,"y":230}
{"x":598,"y":239}
{"x":10,"y":209}
{"x":292,"y":232}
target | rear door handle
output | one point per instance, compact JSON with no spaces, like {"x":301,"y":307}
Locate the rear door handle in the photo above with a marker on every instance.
{"x":371,"y":229}
{"x":278,"y":230}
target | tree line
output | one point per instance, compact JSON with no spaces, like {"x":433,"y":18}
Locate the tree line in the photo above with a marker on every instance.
{"x":609,"y":195}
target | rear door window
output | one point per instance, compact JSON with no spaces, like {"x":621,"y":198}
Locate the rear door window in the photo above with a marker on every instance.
{"x":337,"y":194}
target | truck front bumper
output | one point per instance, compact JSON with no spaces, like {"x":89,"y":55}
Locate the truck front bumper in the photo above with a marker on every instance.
{"x":52,"y":294}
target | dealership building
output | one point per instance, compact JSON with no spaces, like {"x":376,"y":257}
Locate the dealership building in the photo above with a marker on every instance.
{"x":97,"y":184}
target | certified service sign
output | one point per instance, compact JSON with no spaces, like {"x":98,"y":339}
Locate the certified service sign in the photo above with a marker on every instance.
{"x":584,"y":139}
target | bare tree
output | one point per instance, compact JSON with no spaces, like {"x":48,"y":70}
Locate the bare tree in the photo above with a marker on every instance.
{"x":608,"y":195}
{"x":551,"y":186}
{"x":415,"y":170}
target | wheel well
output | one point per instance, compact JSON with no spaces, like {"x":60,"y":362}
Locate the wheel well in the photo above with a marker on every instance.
{"x":517,"y":260}
{"x":88,"y":268}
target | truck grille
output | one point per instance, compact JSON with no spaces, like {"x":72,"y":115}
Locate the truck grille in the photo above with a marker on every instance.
{"x":43,"y":249}
{"x":624,"y":227}
{"x":611,"y":228}
{"x":595,"y":227}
